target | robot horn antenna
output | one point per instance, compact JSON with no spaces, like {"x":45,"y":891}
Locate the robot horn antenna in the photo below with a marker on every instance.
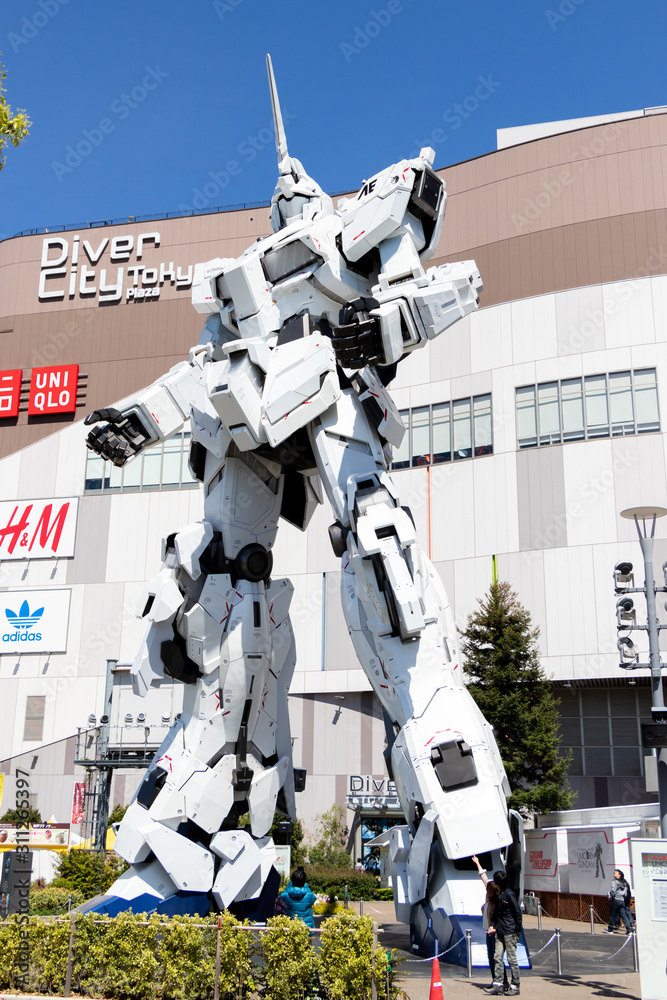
{"x":281,"y":141}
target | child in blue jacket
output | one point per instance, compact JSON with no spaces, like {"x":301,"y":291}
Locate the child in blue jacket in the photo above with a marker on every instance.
{"x":298,"y":898}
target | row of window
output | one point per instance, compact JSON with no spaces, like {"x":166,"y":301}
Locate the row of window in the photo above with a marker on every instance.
{"x":595,"y":406}
{"x":553,"y":412}
{"x":445,"y":431}
{"x":162,"y":467}
{"x":603,"y":730}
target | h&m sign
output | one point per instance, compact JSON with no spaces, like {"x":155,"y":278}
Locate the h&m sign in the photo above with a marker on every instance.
{"x":38,"y":529}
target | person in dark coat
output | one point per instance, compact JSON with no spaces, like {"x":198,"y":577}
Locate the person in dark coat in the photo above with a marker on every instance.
{"x":505,"y":923}
{"x":619,"y":904}
{"x":298,"y":898}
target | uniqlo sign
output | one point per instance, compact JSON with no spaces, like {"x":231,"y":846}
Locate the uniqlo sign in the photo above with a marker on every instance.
{"x":10,"y":393}
{"x":53,"y":390}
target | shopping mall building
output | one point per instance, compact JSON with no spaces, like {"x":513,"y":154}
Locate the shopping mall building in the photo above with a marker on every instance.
{"x":531,"y":425}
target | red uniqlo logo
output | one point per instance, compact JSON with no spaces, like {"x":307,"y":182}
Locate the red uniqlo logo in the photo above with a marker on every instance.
{"x":10,"y":392}
{"x":53,"y":390}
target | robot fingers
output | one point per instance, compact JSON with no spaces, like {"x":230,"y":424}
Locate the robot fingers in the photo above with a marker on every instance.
{"x":118,"y":441}
{"x":109,"y":413}
{"x":375,"y":339}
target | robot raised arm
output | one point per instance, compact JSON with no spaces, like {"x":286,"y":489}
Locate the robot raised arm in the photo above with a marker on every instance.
{"x":397,"y":216}
{"x":150,"y":415}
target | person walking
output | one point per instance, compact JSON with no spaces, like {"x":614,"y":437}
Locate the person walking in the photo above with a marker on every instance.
{"x":488,"y":909}
{"x":505,"y":924}
{"x":619,"y":903}
{"x":298,"y":898}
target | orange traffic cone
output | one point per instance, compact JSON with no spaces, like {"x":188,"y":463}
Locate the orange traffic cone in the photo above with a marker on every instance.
{"x":436,"y":983}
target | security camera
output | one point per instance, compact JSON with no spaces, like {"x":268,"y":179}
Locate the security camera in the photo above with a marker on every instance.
{"x":623,"y":576}
{"x":626,"y":614}
{"x":627,"y":649}
{"x":141,"y":717}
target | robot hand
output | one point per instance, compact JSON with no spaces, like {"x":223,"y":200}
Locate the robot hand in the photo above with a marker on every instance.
{"x":358,"y":342}
{"x":120,"y":439}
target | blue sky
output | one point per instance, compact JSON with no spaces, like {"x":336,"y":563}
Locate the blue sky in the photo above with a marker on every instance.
{"x":146,"y":107}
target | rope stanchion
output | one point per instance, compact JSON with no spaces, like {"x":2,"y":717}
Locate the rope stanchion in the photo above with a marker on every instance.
{"x":603,"y":958}
{"x":407,"y":961}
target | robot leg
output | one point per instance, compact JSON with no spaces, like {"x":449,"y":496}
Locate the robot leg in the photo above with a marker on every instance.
{"x":230,"y":753}
{"x":443,"y":756}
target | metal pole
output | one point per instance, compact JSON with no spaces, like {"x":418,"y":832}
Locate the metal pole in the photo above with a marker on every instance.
{"x":70,"y":949}
{"x":216,"y":985}
{"x":539,"y":914}
{"x":658,"y":710}
{"x":374,"y":989}
{"x":592,"y":909}
{"x":635,"y":952}
{"x":559,"y":963}
{"x":361,"y":907}
{"x":469,"y":952}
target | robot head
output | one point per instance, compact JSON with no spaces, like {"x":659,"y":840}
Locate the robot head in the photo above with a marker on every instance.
{"x":297,"y":196}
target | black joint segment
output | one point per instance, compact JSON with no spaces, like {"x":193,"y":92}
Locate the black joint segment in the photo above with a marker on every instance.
{"x":176,"y":662}
{"x":338,"y":536}
{"x":300,"y":774}
{"x":150,"y":787}
{"x":242,"y":778}
{"x":254,"y":563}
{"x":197,"y":460}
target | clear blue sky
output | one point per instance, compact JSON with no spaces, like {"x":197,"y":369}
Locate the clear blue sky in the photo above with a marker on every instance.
{"x":181,"y":91}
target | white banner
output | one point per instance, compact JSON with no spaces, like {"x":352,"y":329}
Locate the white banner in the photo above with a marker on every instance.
{"x":38,"y":529}
{"x":34,"y":621}
{"x":592,"y":860}
{"x":649,"y":861}
{"x":541,"y":870}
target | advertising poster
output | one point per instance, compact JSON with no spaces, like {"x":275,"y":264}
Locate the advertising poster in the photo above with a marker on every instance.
{"x":649,"y":862}
{"x":542,"y":871}
{"x":78,"y":800}
{"x":591,"y":860}
{"x":49,"y":836}
{"x":34,"y":621}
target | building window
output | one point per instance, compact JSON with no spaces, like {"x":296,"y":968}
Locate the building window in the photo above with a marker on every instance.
{"x":596,"y":406}
{"x":33,"y":727}
{"x":162,"y":467}
{"x":443,"y":432}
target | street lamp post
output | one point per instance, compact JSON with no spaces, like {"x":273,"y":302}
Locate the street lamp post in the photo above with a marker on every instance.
{"x":627,"y":621}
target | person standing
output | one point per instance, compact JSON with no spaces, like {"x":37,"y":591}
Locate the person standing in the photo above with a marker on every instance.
{"x":619,"y":902}
{"x":488,"y":908}
{"x":505,"y":924}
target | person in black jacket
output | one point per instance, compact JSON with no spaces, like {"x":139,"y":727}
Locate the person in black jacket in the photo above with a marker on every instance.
{"x":619,"y":904}
{"x":505,"y":923}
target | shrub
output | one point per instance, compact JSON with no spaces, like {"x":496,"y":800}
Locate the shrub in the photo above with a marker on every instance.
{"x":88,"y":872}
{"x":360,"y":885}
{"x":346,"y":960}
{"x":290,"y":959}
{"x":53,"y":900}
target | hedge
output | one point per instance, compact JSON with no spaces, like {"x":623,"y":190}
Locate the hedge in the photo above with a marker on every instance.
{"x":332,"y":881}
{"x":131,"y":957}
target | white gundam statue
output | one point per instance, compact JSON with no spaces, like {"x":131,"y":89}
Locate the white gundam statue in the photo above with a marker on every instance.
{"x":286,"y":398}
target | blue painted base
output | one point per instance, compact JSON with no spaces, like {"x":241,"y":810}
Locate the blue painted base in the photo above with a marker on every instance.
{"x":181,"y":903}
{"x":434,"y":931}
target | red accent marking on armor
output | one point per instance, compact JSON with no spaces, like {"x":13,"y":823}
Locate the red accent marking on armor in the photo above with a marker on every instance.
{"x":217,"y":699}
{"x":385,"y":686}
{"x":166,"y":757}
{"x":385,"y":414}
{"x":154,"y":417}
{"x":225,"y":713}
{"x":359,"y":234}
{"x":371,"y":393}
{"x":237,"y":594}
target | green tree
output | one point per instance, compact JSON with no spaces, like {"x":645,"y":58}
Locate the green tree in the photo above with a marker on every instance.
{"x":14,"y":125}
{"x":331,"y":848}
{"x":502,"y":663}
{"x":116,"y":815}
{"x":19,"y":815}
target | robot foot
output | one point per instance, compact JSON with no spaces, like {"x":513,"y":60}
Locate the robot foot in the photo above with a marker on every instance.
{"x":147,"y":888}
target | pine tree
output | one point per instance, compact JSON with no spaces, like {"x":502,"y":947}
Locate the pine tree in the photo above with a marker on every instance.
{"x":502,"y":664}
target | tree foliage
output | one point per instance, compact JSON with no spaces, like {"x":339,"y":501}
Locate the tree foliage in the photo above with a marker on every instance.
{"x":116,"y":815}
{"x":14,"y":125}
{"x":331,"y":847}
{"x":88,"y":872}
{"x":26,"y":814}
{"x":502,"y":663}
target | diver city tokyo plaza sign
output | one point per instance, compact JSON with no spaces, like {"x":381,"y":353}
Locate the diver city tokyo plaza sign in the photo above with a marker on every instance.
{"x":34,"y":621}
{"x":89,"y":269}
{"x":38,"y":529}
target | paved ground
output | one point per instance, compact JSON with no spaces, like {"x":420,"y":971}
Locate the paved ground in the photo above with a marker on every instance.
{"x":593,"y":964}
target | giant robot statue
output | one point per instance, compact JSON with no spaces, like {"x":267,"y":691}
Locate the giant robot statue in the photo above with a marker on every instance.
{"x":286,"y":398}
